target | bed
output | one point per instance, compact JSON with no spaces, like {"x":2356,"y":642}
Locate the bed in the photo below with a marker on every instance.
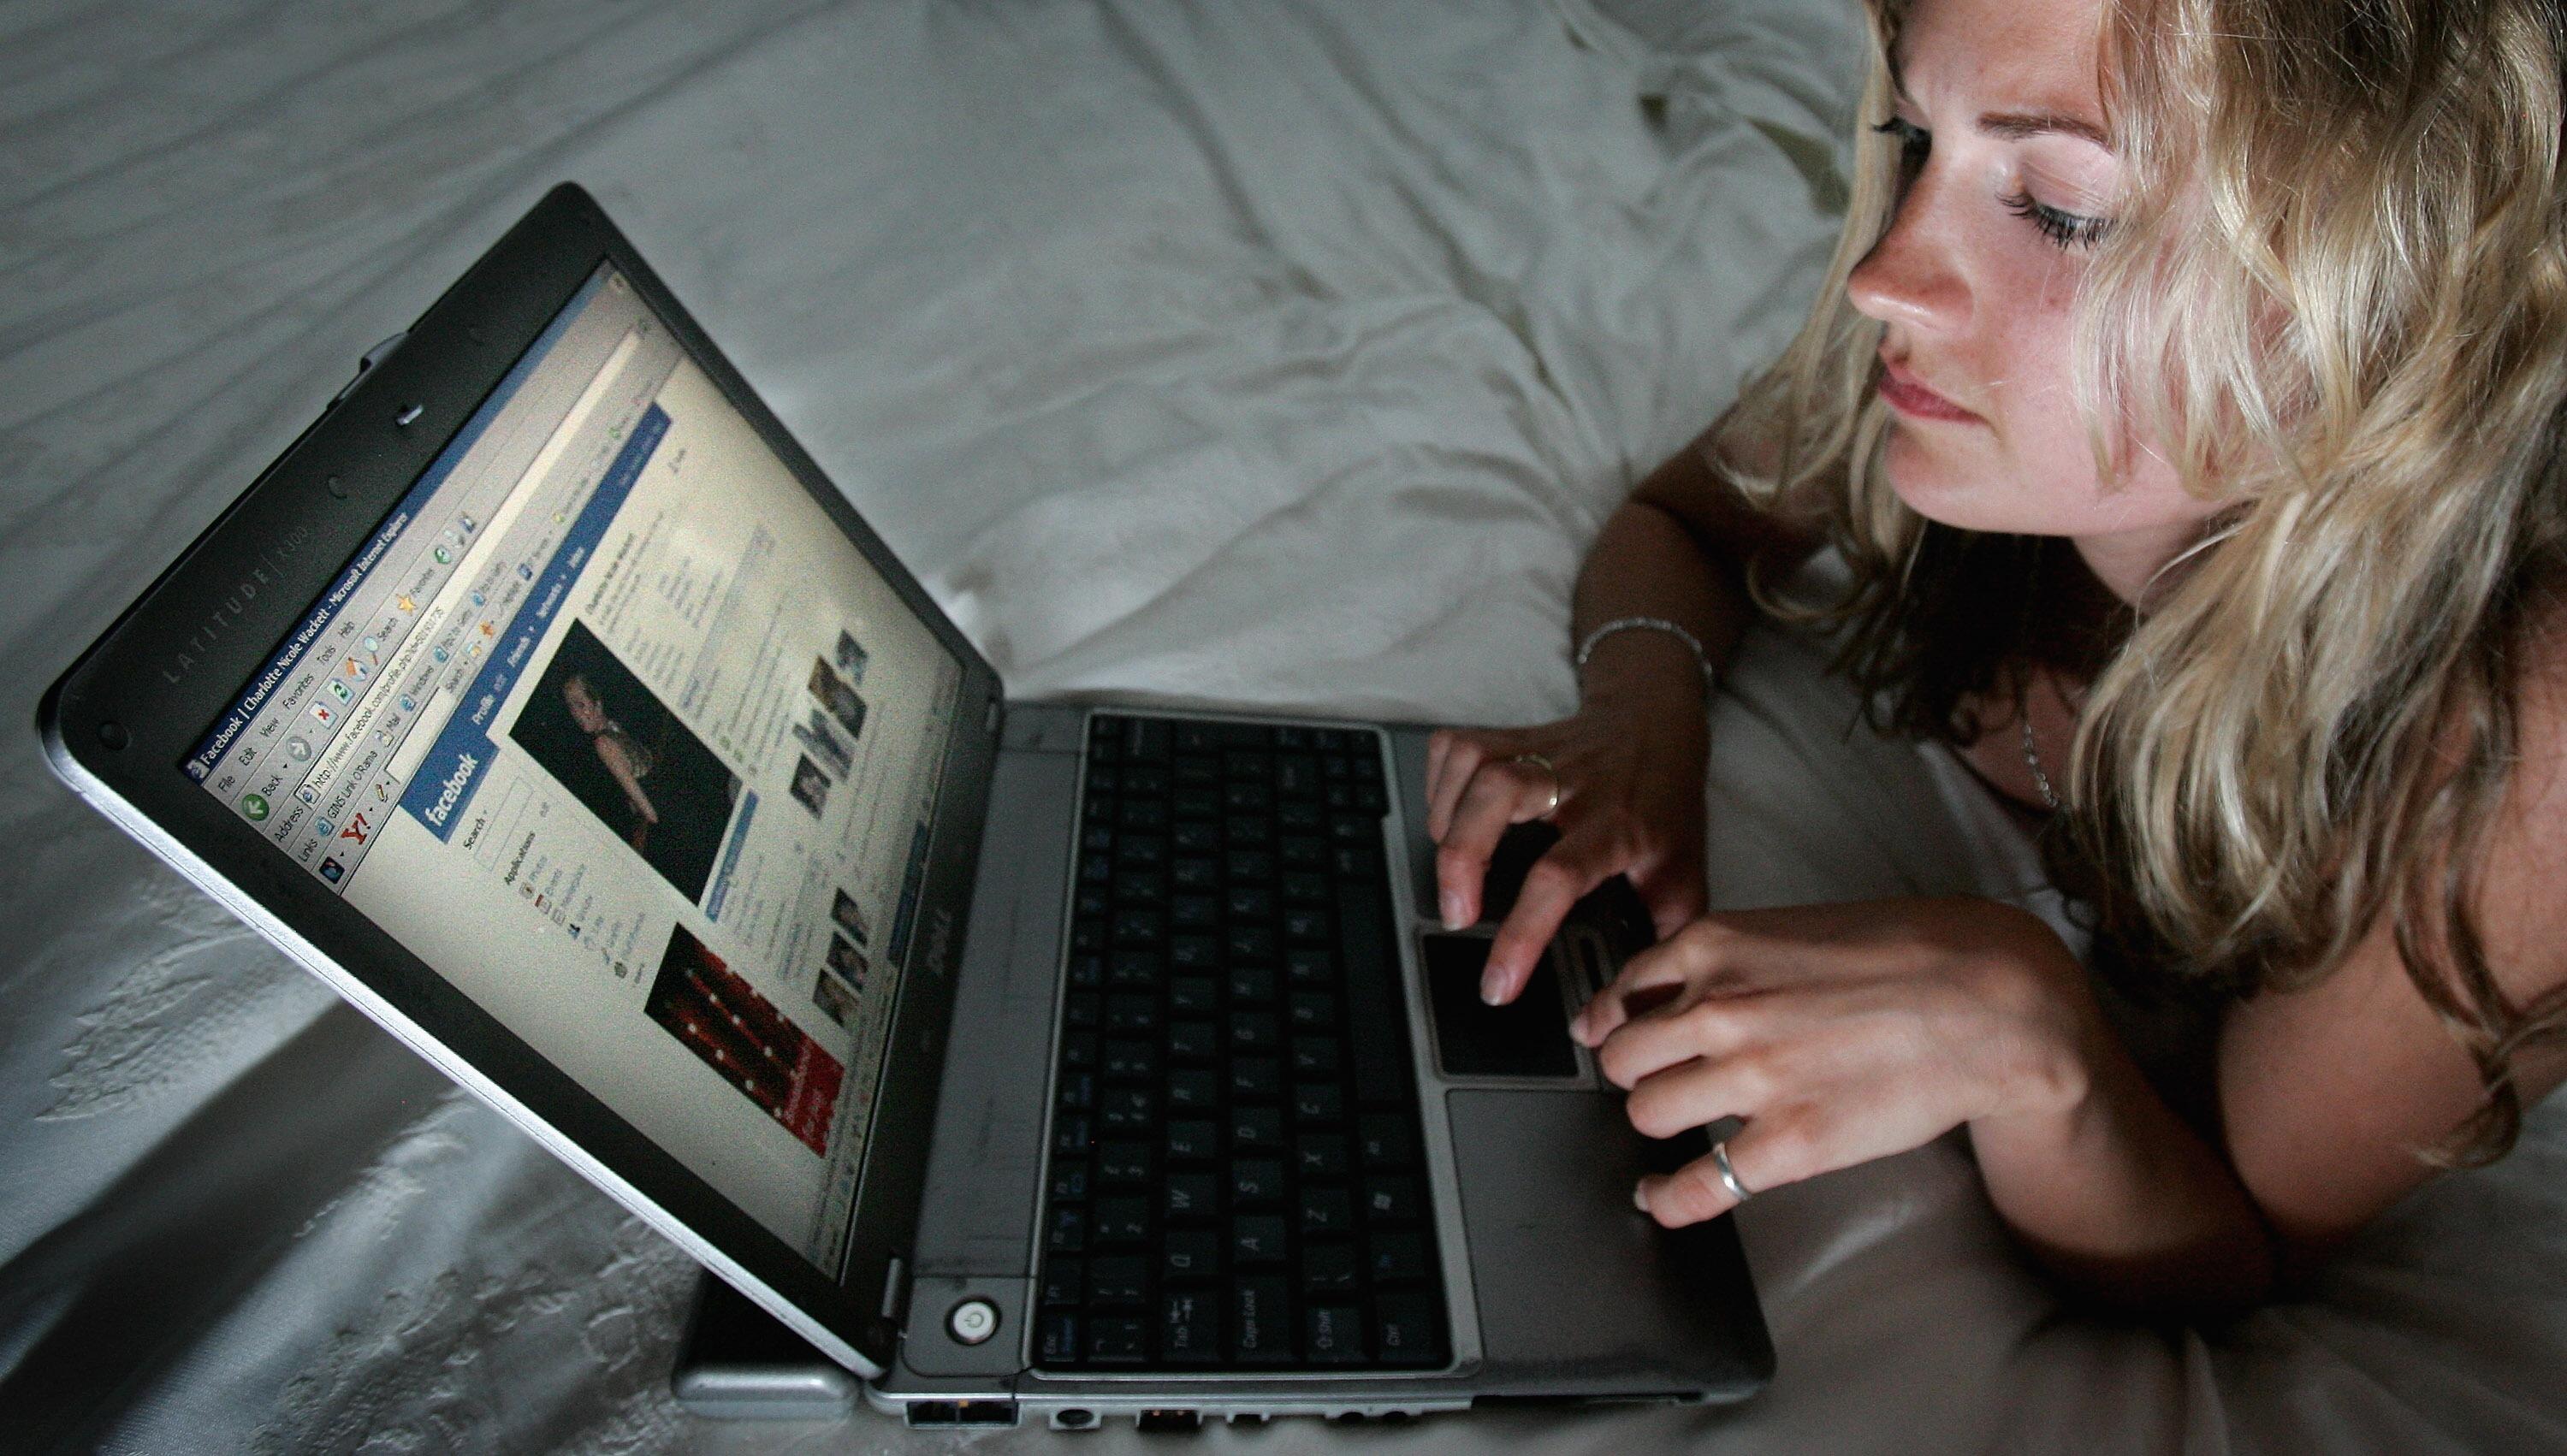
{"x":1196,"y":351}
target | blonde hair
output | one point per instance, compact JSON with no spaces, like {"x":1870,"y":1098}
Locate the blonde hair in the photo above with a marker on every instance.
{"x":2334,"y":295}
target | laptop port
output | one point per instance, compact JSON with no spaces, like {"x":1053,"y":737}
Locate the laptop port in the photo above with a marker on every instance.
{"x":948,"y":1413}
{"x":1074,"y":1419}
{"x":1170,"y":1420}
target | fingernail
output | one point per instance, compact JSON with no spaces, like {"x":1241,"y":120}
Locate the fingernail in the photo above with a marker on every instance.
{"x":1641,"y":1196}
{"x":1577,"y":1028}
{"x":1453,"y":910}
{"x":1490,"y":982}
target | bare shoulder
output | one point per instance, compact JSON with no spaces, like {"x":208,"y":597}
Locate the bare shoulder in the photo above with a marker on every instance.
{"x":2330,"y":1093}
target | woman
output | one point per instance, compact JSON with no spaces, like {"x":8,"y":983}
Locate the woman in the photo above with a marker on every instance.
{"x":2184,"y":406}
{"x":626,"y":759}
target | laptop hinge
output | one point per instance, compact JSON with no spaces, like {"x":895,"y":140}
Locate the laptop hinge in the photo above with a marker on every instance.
{"x":895,"y":1287}
{"x":997,"y":714}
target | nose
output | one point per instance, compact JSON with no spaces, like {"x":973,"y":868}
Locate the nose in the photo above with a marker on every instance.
{"x":1908,"y":278}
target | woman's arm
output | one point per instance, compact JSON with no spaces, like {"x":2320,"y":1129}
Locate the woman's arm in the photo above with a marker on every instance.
{"x":1628,"y":765}
{"x":2329,"y":1092}
{"x":1840,"y":1034}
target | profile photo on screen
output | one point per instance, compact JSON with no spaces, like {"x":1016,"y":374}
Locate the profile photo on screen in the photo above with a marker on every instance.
{"x":626,"y":759}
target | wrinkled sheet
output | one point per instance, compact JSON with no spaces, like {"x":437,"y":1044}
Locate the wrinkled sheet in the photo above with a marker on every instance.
{"x":1191,"y":350}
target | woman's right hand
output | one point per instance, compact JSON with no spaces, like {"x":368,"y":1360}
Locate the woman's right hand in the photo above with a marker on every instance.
{"x":1630,"y":772}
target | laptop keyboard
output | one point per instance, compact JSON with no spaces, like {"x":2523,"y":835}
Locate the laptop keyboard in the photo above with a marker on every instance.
{"x":1235,"y":1178}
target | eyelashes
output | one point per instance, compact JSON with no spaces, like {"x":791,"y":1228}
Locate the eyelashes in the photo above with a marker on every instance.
{"x":2068,"y":229}
{"x":2062,"y":228}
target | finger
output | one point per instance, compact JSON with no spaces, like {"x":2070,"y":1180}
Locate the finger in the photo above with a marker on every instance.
{"x":1703,"y":1091}
{"x":1498,"y":796}
{"x":1439,"y":747}
{"x":1554,"y":886}
{"x":1647,"y":980}
{"x":1463,"y":755}
{"x":1701,"y":1027}
{"x":1779,"y":1149}
{"x":1674,"y":890}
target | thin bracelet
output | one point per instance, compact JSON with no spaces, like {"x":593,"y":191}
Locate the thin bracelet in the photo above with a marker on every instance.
{"x":1701,"y":658}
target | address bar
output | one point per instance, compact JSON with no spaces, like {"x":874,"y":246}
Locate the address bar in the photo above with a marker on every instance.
{"x":446,"y":603}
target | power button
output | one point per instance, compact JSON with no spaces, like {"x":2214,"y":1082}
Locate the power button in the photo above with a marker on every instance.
{"x":972,"y":1322}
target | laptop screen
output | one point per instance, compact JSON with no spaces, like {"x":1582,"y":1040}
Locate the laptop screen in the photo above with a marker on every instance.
{"x":614,"y":729}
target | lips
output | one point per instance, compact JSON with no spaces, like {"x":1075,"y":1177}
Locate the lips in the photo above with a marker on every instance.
{"x":1908,"y":396}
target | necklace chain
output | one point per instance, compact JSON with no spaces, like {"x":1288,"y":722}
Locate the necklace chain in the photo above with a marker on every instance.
{"x":2032,"y":760}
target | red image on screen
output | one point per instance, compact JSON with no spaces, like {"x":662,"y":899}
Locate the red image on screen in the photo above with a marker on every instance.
{"x":739,"y":1033}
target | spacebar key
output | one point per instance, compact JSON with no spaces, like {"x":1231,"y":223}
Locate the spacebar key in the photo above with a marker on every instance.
{"x":1376,"y":1014}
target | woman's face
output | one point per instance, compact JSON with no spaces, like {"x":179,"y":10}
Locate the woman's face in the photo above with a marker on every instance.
{"x":2008,"y":182}
{"x":585,"y":710}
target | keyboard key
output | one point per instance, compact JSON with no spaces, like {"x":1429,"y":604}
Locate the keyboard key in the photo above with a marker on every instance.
{"x":1193,"y":1090}
{"x":1255,"y":1182}
{"x":1131,"y":1011}
{"x":1255,"y":1129}
{"x":1396,"y":1258}
{"x":1191,"y":995}
{"x":1332,"y":1334}
{"x":1192,"y":1041}
{"x":1253,"y":985}
{"x":1251,"y":943}
{"x":1314,"y":1057}
{"x":1328,"y":1211}
{"x":1190,"y":1253}
{"x":1386,"y":1141}
{"x":1127,"y":1060}
{"x":1306,"y":923}
{"x":1077,"y":1091}
{"x":1196,"y":872}
{"x":1078,"y":1050}
{"x":1123,"y":1164}
{"x":1190,"y":1197}
{"x":1261,"y":1323}
{"x":1254,"y":1032}
{"x":1118,"y":1341}
{"x":1257,"y":1239}
{"x":1136,"y":969}
{"x":1256,"y":1078}
{"x":1392,"y":1201}
{"x":1194,"y":953}
{"x":1086,"y":973}
{"x":1318,"y":1103}
{"x":1330,"y":1267}
{"x":1067,"y":1232}
{"x":1123,"y":1221}
{"x":1195,"y":913}
{"x":1408,"y":1329}
{"x":1321,"y":1155}
{"x":1121,"y":1278}
{"x":1189,"y":1327}
{"x":1064,"y":1282}
{"x":1069,"y":1180}
{"x":1060,"y":1339}
{"x":1313,"y":1010}
{"x":1072,"y":1134}
{"x":1127,"y":1110}
{"x":1198,"y":837}
{"x":1191,"y":1140}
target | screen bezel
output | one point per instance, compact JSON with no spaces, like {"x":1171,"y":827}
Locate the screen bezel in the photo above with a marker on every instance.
{"x":132,"y":708}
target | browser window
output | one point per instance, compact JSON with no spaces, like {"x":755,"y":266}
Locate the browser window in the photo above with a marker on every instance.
{"x":611,"y":724}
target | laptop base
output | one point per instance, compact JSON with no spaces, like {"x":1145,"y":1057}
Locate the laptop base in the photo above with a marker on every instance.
{"x":736,"y":1362}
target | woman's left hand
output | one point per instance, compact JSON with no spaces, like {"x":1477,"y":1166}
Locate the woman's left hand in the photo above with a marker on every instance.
{"x":1839,"y":1034}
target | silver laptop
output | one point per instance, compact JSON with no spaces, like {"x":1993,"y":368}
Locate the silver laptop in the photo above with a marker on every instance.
{"x":1032,"y":1063}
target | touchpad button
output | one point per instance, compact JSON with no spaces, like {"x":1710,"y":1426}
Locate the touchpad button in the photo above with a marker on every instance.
{"x":1528,"y":1037}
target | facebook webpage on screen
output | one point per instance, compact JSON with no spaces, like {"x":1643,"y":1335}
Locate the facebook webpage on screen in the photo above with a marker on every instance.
{"x":610,"y":725}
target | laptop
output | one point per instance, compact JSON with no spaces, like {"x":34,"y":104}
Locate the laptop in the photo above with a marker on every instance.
{"x":1033,"y":1062}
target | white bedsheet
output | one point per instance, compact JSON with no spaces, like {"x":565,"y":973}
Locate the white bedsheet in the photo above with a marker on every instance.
{"x":1211,"y":351}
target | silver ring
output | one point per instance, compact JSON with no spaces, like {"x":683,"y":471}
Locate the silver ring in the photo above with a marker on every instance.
{"x":1728,"y":1174}
{"x":1546,"y":767}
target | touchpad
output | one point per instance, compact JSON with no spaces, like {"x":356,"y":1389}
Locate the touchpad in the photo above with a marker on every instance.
{"x":1528,"y":1037}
